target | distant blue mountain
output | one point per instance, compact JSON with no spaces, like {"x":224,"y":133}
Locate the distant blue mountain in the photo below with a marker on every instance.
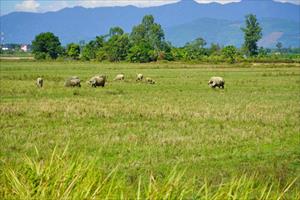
{"x":78,"y":23}
{"x":228,"y":32}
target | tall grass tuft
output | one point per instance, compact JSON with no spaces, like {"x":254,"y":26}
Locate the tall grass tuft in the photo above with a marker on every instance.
{"x":64,"y":177}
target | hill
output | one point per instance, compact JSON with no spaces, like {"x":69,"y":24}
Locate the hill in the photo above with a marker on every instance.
{"x":228,"y":32}
{"x":78,"y":23}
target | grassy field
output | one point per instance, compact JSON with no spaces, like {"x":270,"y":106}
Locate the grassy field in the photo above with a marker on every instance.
{"x":175,"y":139}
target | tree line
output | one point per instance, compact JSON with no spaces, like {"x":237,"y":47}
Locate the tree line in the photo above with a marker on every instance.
{"x":147,"y":43}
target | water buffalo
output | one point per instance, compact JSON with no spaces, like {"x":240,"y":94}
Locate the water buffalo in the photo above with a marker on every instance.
{"x":39,"y":82}
{"x":216,"y":82}
{"x":139,"y":77}
{"x":119,"y":77}
{"x":98,"y":80}
{"x":73,"y":81}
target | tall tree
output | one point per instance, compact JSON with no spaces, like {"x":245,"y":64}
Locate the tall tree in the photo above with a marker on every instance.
{"x":148,"y":42}
{"x":252,"y":33}
{"x":148,"y":31}
{"x":46,"y":45}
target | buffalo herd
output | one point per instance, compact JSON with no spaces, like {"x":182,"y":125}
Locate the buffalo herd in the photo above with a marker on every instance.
{"x":100,"y":80}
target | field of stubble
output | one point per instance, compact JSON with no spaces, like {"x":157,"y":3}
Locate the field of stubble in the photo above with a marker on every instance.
{"x":175,"y":139}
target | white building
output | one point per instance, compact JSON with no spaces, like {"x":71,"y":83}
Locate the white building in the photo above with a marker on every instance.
{"x":24,"y":48}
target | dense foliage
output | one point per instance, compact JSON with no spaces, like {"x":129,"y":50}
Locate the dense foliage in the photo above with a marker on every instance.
{"x":146,"y":43}
{"x":73,"y":51}
{"x":230,"y":52}
{"x":46,"y":46}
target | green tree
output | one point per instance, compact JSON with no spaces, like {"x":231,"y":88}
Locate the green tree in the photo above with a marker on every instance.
{"x":46,"y":45}
{"x":252,"y":33}
{"x":279,"y":46}
{"x":117,"y":46}
{"x":178,"y":53}
{"x":73,"y":50}
{"x":262,"y":52}
{"x":148,"y":42}
{"x":115,"y":31}
{"x":166,"y":51}
{"x":88,"y":52}
{"x":148,"y":31}
{"x":195,"y":49}
{"x":230,"y":53}
{"x":214,"y":49}
{"x":91,"y":50}
{"x":142,"y":52}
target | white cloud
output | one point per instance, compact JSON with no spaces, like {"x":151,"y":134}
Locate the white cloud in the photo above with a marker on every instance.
{"x":107,"y":3}
{"x":28,"y":5}
{"x":139,"y":3}
{"x":54,"y":5}
{"x":58,"y":5}
{"x":217,"y":1}
{"x":290,"y":1}
{"x":230,"y":1}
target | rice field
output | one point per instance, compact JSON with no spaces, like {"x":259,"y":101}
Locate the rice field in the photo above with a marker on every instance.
{"x":176,"y":139}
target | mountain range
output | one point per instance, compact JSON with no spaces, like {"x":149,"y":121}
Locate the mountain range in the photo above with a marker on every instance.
{"x":182,"y":21}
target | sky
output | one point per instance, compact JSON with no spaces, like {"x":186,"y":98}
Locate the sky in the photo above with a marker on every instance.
{"x":8,"y":6}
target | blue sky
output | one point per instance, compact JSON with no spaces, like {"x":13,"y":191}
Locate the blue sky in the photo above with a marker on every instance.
{"x":8,"y":6}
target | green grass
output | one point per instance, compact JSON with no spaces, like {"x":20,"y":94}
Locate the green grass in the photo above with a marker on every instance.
{"x":177,"y":138}
{"x":16,"y":54}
